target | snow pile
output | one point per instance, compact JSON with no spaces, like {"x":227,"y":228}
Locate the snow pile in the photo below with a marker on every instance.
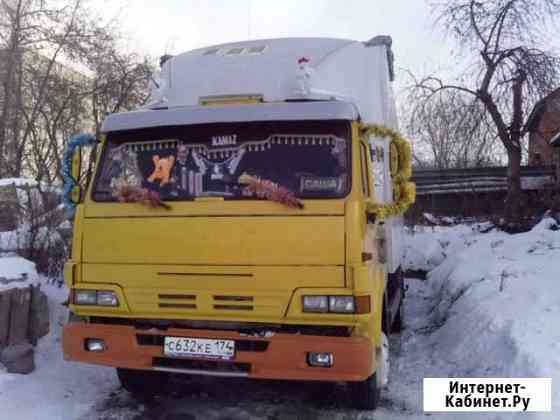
{"x":427,"y":247}
{"x":16,"y":272}
{"x":34,"y":215}
{"x":23,"y":237}
{"x":18,"y":182}
{"x":57,"y":389}
{"x":495,"y":304}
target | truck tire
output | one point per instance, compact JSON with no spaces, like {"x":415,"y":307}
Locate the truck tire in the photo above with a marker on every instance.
{"x":142,"y":384}
{"x":365,"y":394}
{"x":397,"y":326}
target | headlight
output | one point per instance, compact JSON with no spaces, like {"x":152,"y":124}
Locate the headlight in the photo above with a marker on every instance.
{"x":95,"y":297}
{"x":85,"y":297}
{"x":335,"y":304}
{"x":315,"y":304}
{"x":342,"y":304}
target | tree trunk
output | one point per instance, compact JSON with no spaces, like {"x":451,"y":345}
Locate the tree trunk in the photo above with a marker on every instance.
{"x":513,"y":203}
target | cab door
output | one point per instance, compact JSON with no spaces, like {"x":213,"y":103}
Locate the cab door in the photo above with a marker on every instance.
{"x":389,"y":231}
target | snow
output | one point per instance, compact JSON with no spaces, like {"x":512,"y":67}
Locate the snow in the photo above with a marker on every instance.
{"x":490,"y":308}
{"x":21,"y":238}
{"x":57,"y":389}
{"x":42,"y":236}
{"x":16,"y":272}
{"x":18,"y":182}
{"x":28,"y":182}
{"x":275,"y":74}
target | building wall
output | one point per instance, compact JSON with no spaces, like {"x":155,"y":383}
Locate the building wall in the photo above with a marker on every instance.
{"x":540,"y":151}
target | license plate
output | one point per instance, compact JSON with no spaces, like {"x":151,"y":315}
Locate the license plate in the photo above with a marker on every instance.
{"x":198,"y":347}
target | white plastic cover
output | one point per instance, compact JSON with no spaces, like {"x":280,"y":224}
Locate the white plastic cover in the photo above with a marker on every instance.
{"x":302,"y":111}
{"x":280,"y":70}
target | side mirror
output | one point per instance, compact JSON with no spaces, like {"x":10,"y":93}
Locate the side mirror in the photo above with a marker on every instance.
{"x":76,"y":171}
{"x":71,"y":170}
{"x":76,"y":194}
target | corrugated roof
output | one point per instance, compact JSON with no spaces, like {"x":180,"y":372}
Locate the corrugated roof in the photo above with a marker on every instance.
{"x":537,"y":112}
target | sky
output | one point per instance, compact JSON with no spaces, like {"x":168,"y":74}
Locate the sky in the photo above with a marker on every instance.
{"x":175,"y":26}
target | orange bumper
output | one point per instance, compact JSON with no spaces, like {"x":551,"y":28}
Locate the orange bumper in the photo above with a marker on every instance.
{"x":281,"y":356}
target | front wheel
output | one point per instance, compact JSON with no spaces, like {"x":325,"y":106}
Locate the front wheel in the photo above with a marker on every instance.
{"x":366,"y":394}
{"x":397,"y":326}
{"x":142,"y":384}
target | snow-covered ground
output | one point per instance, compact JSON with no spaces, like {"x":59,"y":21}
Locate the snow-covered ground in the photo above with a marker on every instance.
{"x":489,"y":308}
{"x":57,"y":389}
{"x":17,"y":272}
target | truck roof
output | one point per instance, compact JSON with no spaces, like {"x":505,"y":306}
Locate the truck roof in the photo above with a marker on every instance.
{"x":285,"y":69}
{"x":281,"y":111}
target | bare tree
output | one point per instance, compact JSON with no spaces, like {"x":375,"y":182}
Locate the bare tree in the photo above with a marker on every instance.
{"x":121,"y":83}
{"x":31,"y":31}
{"x":450,"y":130}
{"x":508,"y":69}
{"x":61,"y":73}
{"x":64,"y":112}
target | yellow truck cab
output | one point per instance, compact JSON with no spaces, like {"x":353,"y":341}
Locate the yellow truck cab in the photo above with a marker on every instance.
{"x":246,"y":222}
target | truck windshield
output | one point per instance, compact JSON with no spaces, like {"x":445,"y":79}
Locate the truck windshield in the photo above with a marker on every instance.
{"x":311,"y":159}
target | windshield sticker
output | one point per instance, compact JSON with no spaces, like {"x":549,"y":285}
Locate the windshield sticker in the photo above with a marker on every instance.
{"x":219,"y":169}
{"x":162,"y":170}
{"x":320,"y":184}
{"x":339,"y":152}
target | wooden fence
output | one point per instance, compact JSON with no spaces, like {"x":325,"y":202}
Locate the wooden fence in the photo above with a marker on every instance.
{"x":477,"y":191}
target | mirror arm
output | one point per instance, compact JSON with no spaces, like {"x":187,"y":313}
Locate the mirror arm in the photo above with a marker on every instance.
{"x":371,"y":214}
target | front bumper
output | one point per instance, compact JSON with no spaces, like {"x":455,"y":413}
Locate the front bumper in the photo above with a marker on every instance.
{"x":280,"y":356}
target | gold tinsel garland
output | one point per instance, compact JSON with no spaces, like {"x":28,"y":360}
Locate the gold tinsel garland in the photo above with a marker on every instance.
{"x":404,"y":191}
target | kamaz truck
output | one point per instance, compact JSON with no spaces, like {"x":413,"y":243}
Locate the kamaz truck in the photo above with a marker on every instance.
{"x":247,"y":221}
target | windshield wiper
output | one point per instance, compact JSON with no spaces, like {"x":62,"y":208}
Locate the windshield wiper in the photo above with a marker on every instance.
{"x":144,"y":196}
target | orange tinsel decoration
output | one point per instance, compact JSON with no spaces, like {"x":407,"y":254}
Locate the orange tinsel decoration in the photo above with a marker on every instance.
{"x":264,"y":188}
{"x":130,"y":194}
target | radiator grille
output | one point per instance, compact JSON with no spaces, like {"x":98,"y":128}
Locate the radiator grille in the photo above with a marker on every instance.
{"x":233,"y":303}
{"x":164,"y":298}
